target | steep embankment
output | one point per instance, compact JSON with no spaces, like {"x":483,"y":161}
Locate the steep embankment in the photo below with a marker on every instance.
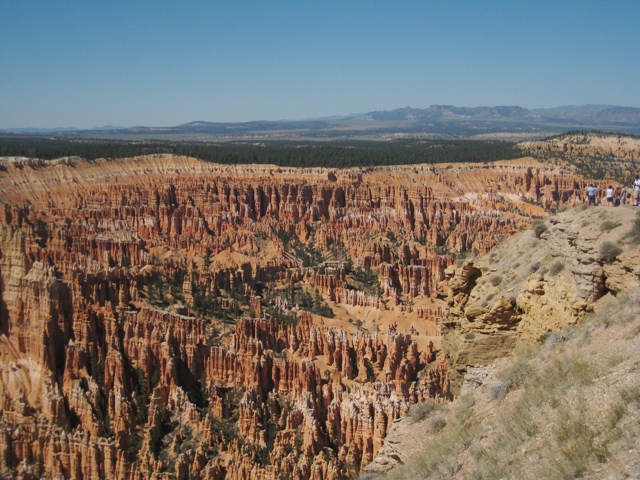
{"x":562,"y":398}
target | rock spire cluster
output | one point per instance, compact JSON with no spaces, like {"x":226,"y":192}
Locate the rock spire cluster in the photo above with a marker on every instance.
{"x":161,"y":315}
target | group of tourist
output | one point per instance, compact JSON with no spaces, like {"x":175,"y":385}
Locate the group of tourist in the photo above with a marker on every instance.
{"x":615,"y":195}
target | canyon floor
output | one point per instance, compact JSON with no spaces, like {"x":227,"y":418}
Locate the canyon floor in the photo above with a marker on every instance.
{"x":164,"y":317}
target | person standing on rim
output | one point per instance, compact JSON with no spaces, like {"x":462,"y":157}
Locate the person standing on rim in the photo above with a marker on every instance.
{"x":610,"y":192}
{"x":636,"y":191}
{"x":591,"y":194}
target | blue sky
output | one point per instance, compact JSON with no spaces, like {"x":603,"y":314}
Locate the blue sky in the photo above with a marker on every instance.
{"x":92,"y":63}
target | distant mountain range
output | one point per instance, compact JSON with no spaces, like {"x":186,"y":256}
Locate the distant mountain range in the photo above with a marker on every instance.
{"x":589,"y":115}
{"x":437,"y":121}
{"x":596,"y":114}
{"x":60,"y":129}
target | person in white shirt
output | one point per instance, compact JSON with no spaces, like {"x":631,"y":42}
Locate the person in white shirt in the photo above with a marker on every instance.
{"x":610,"y":192}
{"x":636,"y":191}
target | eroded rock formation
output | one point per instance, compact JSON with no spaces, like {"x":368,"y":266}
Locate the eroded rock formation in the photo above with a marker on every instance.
{"x":165,"y":316}
{"x":531,"y":286}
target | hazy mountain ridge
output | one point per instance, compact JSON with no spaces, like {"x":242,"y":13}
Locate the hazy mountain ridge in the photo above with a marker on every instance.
{"x":593,"y":113}
{"x":441,"y":120}
{"x":448,"y":111}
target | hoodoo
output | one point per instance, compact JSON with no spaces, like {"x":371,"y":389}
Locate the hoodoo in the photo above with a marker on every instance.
{"x":162,"y":315}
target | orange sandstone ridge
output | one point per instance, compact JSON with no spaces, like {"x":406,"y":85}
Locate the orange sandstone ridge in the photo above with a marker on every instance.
{"x":165,"y":316}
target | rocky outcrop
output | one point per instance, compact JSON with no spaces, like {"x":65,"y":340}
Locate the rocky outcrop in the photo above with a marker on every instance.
{"x":592,"y":144}
{"x":534,"y":286}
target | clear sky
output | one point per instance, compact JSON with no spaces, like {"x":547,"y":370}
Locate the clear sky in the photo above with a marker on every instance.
{"x":67,"y":63}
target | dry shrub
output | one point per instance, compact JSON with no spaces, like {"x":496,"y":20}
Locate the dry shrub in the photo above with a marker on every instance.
{"x":577,"y":445}
{"x":436,"y":423}
{"x":634,"y":234}
{"x":609,"y":252}
{"x":616,"y":310}
{"x":515,"y":374}
{"x":538,"y":227}
{"x":421,"y":411}
{"x":498,"y":390}
{"x":454,"y":428}
{"x":631,"y":395}
{"x":609,"y":225}
{"x":555,"y":268}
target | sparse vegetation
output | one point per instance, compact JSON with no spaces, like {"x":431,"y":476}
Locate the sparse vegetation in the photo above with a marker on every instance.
{"x":297,"y":296}
{"x":628,"y":397}
{"x":609,"y":225}
{"x":577,"y":443}
{"x":420,"y":411}
{"x":457,"y":429}
{"x":210,"y":306}
{"x":281,"y":316}
{"x":307,"y":254}
{"x":609,"y":252}
{"x":164,"y":289}
{"x":313,"y":303}
{"x":633,"y":236}
{"x":498,"y":390}
{"x":556,"y":267}
{"x":436,"y":423}
{"x":516,"y":373}
{"x":546,"y":411}
{"x":538,"y":227}
{"x":367,"y":280}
